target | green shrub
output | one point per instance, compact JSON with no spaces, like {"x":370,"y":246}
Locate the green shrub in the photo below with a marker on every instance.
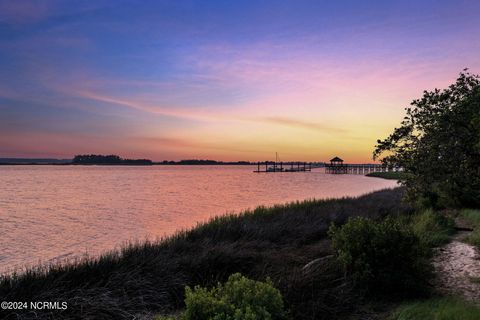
{"x":238,"y":299}
{"x":438,"y":309}
{"x":382,"y":257}
{"x":432,"y":228}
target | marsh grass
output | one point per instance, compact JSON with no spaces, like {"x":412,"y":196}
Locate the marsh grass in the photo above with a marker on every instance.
{"x":398,"y":175}
{"x":150,"y":277}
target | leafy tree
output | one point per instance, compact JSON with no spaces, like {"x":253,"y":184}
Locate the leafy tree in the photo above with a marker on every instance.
{"x":438,"y":144}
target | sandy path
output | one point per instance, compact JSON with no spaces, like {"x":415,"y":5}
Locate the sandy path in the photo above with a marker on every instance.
{"x":456,"y":265}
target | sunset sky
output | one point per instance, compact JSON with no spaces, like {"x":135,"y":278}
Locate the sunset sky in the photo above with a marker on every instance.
{"x":225,"y":80}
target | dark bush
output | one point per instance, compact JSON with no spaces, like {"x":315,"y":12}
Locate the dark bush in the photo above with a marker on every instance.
{"x":382,"y":257}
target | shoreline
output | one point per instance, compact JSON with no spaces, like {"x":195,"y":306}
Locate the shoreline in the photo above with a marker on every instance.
{"x":20,"y":269}
{"x":281,"y":238}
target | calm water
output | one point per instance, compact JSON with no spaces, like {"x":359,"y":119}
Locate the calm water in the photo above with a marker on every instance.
{"x":59,"y":212}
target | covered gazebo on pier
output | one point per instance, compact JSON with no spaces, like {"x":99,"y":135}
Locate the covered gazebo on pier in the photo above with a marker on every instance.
{"x":336,"y":166}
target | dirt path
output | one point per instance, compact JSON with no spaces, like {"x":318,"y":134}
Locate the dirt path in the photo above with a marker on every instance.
{"x":458,"y":268}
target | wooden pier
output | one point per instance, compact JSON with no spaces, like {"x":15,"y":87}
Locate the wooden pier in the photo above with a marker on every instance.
{"x":336,"y":166}
{"x":357,"y":168}
{"x":273,"y":166}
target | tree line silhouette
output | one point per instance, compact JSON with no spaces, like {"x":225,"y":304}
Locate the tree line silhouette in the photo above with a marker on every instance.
{"x":109,"y":159}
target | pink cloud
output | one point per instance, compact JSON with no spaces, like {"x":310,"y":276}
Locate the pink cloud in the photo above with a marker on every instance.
{"x":297,"y":123}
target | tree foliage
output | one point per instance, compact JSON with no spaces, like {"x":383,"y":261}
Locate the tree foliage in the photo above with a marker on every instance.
{"x":438,"y":144}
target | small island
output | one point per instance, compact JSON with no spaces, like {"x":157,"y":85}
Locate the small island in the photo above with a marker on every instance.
{"x":93,"y":159}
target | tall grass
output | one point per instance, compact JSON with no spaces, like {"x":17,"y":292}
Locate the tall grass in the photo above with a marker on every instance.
{"x":433,"y":228}
{"x":150,"y":277}
{"x":473,"y":217}
{"x":438,"y":309}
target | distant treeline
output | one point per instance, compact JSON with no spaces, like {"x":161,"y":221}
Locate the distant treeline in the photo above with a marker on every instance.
{"x":108,"y":160}
{"x":203,"y":162}
{"x":114,"y":159}
{"x":30,"y":161}
{"x":91,"y":159}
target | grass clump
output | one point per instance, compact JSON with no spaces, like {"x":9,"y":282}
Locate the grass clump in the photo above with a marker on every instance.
{"x":473,"y":217}
{"x":438,"y":309}
{"x":433,"y":228}
{"x":474,"y":238}
{"x":382,"y":256}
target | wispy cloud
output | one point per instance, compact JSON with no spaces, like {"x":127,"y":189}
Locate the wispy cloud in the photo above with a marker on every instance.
{"x":189,"y":144}
{"x":192,"y":115}
{"x":20,"y":12}
{"x":25,"y":12}
{"x":302,"y":124}
{"x":149,"y":108}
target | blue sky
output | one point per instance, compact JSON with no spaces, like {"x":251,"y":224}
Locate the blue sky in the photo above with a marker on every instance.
{"x":222,"y":79}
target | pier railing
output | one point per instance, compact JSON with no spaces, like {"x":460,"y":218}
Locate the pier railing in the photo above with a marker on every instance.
{"x":358,"y":168}
{"x":272,"y":166}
